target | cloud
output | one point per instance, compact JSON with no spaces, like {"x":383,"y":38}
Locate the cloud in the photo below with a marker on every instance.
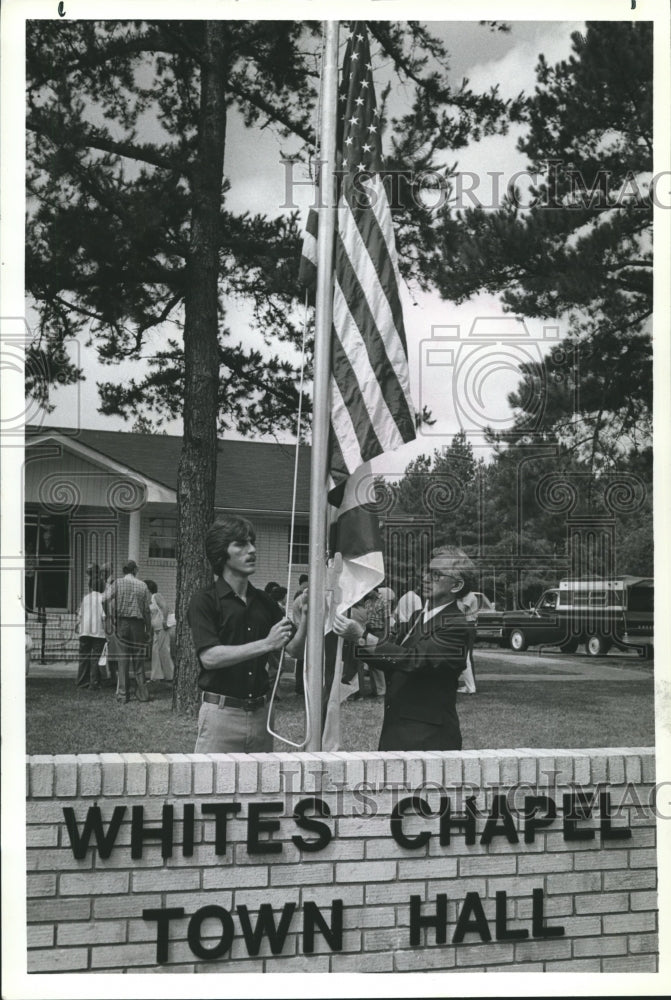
{"x":516,"y":70}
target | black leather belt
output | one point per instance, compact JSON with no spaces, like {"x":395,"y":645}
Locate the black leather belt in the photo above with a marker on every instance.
{"x":228,"y":701}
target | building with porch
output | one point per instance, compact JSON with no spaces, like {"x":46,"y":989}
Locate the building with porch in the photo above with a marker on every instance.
{"x":110,"y":496}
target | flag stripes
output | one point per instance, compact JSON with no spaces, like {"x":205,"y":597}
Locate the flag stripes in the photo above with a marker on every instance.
{"x":350,"y":420}
{"x":374,"y":241}
{"x":371,"y":408}
{"x":382,"y":215}
{"x":371,"y":314}
{"x":363,"y":386}
{"x":371,"y":405}
{"x":370,"y":364}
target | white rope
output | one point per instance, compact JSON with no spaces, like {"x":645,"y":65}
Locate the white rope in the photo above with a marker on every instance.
{"x":308,"y":721}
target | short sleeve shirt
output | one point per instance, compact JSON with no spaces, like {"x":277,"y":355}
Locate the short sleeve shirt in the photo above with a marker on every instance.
{"x":92,"y":616}
{"x":218,"y":617}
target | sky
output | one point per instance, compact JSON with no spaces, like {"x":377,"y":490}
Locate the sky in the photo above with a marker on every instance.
{"x":463,"y":384}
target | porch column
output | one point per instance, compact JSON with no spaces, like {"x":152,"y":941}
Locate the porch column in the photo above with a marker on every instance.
{"x":134,"y":535}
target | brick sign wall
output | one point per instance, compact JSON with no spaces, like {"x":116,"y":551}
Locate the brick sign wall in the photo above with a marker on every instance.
{"x":537,"y":860}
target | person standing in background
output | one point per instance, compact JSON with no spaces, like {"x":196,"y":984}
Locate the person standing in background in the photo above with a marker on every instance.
{"x":172,"y":636}
{"x":380,"y":622}
{"x":407,"y":605}
{"x":129,"y":599}
{"x":106,"y":578}
{"x":162,"y":668}
{"x":91,"y":628}
{"x":296,"y":617}
{"x":469,"y":605}
{"x":370,"y":612}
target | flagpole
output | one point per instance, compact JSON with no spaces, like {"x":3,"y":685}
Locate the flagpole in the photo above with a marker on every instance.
{"x":314,"y":652}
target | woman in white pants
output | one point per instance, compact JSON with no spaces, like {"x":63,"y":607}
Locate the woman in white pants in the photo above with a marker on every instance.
{"x":162,"y":668}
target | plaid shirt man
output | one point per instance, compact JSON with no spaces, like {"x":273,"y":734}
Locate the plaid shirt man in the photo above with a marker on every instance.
{"x":127,"y":600}
{"x":131,"y":599}
{"x":376,"y":612}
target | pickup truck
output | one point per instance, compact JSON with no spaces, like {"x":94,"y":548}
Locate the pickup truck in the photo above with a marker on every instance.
{"x":594,"y":613}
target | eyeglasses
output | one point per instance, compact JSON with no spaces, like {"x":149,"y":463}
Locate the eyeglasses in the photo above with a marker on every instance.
{"x":435,"y":575}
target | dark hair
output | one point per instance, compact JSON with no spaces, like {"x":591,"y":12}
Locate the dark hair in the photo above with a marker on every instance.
{"x":130,"y":566}
{"x":303,"y":578}
{"x":221,"y":534}
{"x":95,"y":577}
{"x":269,"y":587}
{"x":151,"y":586}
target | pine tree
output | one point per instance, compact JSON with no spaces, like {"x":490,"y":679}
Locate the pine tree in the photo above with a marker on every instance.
{"x":128,"y":227}
{"x":579,"y":244}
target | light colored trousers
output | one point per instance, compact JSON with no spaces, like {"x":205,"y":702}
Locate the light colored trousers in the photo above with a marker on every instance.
{"x":232,"y":730}
{"x":162,"y":668}
{"x":467,"y":677}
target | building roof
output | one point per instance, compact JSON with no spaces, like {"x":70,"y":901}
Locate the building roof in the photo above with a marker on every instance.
{"x":251,"y":475}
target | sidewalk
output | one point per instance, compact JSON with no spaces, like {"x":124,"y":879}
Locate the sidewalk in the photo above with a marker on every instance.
{"x":57,"y":669}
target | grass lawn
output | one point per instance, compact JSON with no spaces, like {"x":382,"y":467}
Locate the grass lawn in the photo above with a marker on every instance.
{"x":62,"y":718}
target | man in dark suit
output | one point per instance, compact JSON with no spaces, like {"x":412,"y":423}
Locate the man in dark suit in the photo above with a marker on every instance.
{"x":425,"y":660}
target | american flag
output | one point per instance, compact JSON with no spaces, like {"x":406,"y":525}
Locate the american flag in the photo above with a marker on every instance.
{"x":371,"y":407}
{"x":372,"y":410}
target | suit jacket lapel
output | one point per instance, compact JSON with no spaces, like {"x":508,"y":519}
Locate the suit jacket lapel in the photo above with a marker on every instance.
{"x":413,"y":623}
{"x":415,"y":629}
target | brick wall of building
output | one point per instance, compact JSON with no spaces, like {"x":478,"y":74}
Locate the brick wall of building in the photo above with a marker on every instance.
{"x":401,"y":903}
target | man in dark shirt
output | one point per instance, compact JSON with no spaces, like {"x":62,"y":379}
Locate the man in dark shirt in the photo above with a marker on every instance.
{"x":235,"y":627}
{"x":424,"y":662}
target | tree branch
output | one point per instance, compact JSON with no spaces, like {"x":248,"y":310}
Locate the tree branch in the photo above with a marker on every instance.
{"x":273,"y":112}
{"x":152,"y":42}
{"x":94,"y":140}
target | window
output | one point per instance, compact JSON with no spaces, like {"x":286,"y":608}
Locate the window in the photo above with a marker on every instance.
{"x":642,"y":597}
{"x":162,"y":538}
{"x":301,"y":547}
{"x":548,"y":601}
{"x":47,"y":570}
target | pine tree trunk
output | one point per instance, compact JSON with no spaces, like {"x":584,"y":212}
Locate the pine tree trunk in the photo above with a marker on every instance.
{"x":198,"y":462}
